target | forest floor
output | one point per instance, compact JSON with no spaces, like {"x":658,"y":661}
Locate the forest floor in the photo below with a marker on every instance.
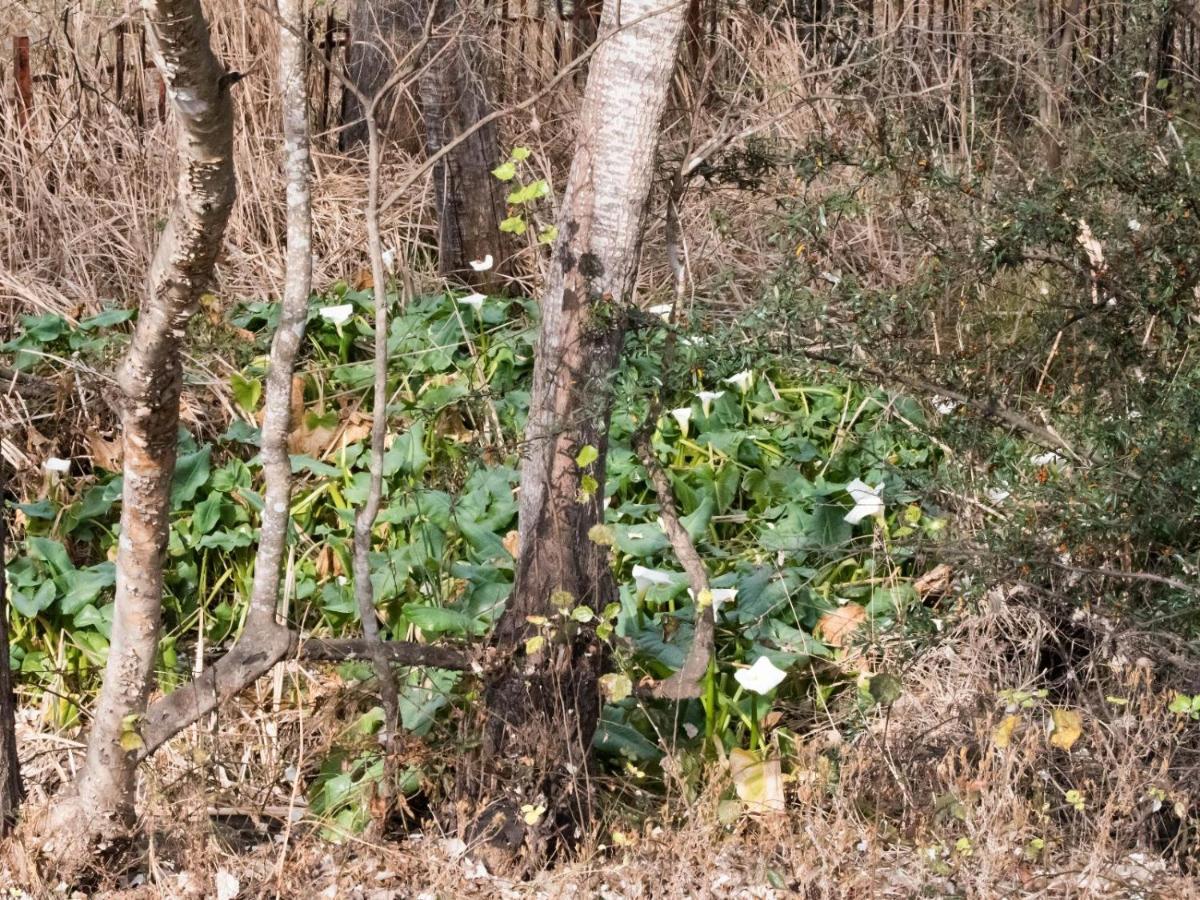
{"x":952,"y":794}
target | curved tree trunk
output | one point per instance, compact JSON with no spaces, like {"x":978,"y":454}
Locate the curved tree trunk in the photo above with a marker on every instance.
{"x":543,"y":710}
{"x":150,"y":379}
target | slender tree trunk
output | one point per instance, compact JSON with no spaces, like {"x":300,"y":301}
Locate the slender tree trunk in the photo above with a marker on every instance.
{"x":470,"y":201}
{"x":264,"y":640}
{"x":544,"y":708}
{"x":150,"y":379}
{"x":11,"y":789}
{"x":1058,"y":82}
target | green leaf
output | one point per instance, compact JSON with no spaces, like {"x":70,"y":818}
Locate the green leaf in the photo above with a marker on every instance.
{"x":520,"y":154}
{"x":107,"y":319}
{"x":506,"y":171}
{"x":246,"y":391}
{"x":207,"y":514}
{"x":52,"y":553}
{"x":885,"y":689}
{"x":513,"y":225}
{"x":527,"y":193}
{"x":86,"y":585}
{"x":29,"y":605}
{"x":407,"y":454}
{"x":43,"y":510}
{"x":191,"y":471}
{"x":617,"y":738}
{"x":438,"y":620}
{"x":586,"y":456}
{"x":548,"y":234}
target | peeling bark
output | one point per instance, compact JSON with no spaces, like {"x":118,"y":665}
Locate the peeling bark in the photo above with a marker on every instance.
{"x":544,"y":709}
{"x":150,"y":379}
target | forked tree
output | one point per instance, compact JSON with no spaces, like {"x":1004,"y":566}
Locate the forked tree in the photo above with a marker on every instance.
{"x":150,"y":381}
{"x":543,"y":708}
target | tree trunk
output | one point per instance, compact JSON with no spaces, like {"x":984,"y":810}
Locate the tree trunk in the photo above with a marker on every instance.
{"x":1057,"y":84}
{"x":469,"y":200}
{"x":380,"y":33}
{"x":11,"y":789}
{"x":543,"y":710}
{"x":150,"y":380}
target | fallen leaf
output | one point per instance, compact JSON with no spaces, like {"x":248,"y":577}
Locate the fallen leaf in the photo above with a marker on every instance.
{"x":758,"y":781}
{"x":935,"y":581}
{"x":837,"y":626}
{"x":105,"y":454}
{"x":363,"y":280}
{"x":1068,"y":726}
{"x":227,"y":885}
{"x":512,"y":543}
{"x":1002,"y":734}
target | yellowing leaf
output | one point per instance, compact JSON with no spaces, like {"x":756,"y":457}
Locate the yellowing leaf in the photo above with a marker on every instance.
{"x":534,"y":644}
{"x":616,"y":687}
{"x":1002,"y":735}
{"x":1068,"y":726}
{"x":532,"y":814}
{"x":758,"y":781}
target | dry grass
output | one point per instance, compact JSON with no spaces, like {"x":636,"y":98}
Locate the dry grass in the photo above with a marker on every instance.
{"x":921,"y":801}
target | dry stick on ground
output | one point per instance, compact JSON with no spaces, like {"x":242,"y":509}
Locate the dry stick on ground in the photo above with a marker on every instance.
{"x":151,"y":379}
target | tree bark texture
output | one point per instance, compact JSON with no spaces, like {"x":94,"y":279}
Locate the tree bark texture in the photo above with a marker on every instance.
{"x":264,"y":640}
{"x":469,"y":199}
{"x":150,"y":379}
{"x":11,"y":789}
{"x":544,"y":708}
{"x":381,"y":31}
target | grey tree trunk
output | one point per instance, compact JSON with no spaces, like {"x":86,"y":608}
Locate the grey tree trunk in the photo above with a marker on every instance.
{"x":544,"y":709}
{"x":11,"y":789}
{"x":150,"y":379}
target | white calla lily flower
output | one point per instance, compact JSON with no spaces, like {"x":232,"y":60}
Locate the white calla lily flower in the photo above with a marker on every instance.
{"x":1135,"y":225}
{"x":663,"y":310}
{"x":338,"y":315}
{"x":475,"y":301}
{"x":868,"y":501}
{"x":683,"y":416}
{"x":389,"y":259}
{"x":762,"y":677}
{"x":1049,"y":458}
{"x":741,"y":381}
{"x":944,"y":405}
{"x":482,"y":265}
{"x":56,"y":465}
{"x":644,"y":578}
{"x":706,"y":399}
{"x":719,"y":596}
{"x":998,"y":495}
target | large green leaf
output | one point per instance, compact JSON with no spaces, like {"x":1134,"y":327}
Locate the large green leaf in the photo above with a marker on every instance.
{"x":86,"y":585}
{"x":191,"y":471}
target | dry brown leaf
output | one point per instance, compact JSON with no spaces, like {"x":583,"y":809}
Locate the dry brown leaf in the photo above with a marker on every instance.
{"x":105,"y":454}
{"x":1068,"y":726}
{"x":363,"y":280}
{"x":512,"y":543}
{"x":1002,"y":734}
{"x":836,"y":626}
{"x":935,"y":581}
